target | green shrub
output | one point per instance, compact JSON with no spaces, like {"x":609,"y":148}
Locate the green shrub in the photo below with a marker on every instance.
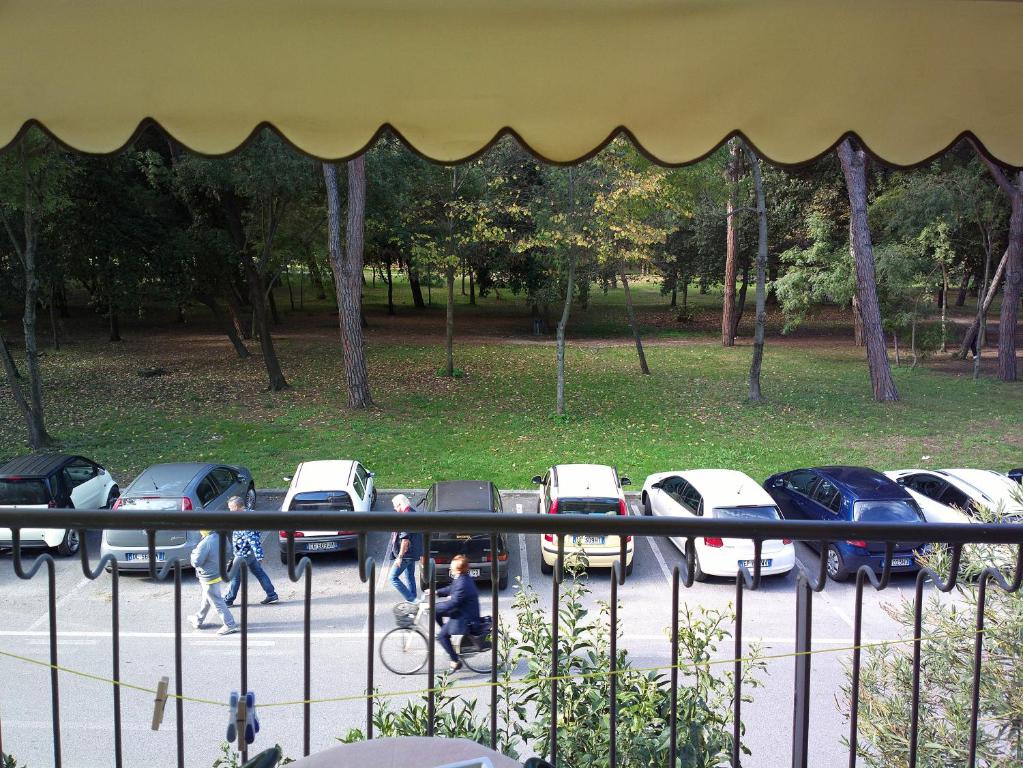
{"x":524,"y":687}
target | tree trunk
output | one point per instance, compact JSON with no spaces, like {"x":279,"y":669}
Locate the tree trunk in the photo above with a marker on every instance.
{"x":225,"y":322}
{"x":854,"y":169}
{"x":449,"y":325}
{"x":115,"y":324}
{"x":472,"y":286}
{"x":257,"y":293}
{"x":348,"y":274}
{"x":981,"y":337}
{"x":895,"y":340}
{"x":761,"y":291}
{"x":731,"y":249}
{"x":674,"y":295}
{"x":1013,"y":288}
{"x":982,"y":307}
{"x":944,"y":307}
{"x":632,"y":322}
{"x":390,"y":288}
{"x":740,"y":304}
{"x":416,"y":288}
{"x":234,"y":310}
{"x":273,"y":303}
{"x":857,"y":322}
{"x":37,"y":436}
{"x":53,"y":319}
{"x":963,"y":285}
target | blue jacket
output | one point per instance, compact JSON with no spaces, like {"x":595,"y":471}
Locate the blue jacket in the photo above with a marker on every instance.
{"x":462,"y":607}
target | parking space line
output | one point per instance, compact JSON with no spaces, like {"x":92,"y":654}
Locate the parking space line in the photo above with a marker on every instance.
{"x":60,"y":604}
{"x":826,"y":598}
{"x":656,"y":549}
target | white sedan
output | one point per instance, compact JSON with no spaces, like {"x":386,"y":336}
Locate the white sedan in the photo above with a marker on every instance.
{"x":718,"y":493}
{"x":953,"y":495}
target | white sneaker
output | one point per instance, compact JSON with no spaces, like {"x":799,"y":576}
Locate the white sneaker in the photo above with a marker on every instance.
{"x":229,"y":630}
{"x":194,"y":621}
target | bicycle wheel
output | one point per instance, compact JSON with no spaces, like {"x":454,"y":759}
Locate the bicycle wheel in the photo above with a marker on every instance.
{"x":404,"y":650}
{"x":475,"y":652}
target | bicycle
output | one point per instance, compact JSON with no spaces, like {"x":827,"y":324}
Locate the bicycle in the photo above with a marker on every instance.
{"x":405,"y":649}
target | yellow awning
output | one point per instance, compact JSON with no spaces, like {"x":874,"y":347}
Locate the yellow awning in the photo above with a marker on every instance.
{"x":793,"y":76}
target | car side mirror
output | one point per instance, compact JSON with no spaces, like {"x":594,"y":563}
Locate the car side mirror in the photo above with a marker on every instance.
{"x":537,"y":480}
{"x":287,"y":478}
{"x":658,"y":485}
{"x":777,"y":483}
{"x":626,"y":481}
{"x":371,"y":474}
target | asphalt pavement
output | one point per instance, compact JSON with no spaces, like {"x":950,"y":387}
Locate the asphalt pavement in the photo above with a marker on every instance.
{"x":212,"y":667}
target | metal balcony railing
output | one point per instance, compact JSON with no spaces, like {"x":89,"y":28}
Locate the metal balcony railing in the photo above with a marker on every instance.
{"x":808,"y":581}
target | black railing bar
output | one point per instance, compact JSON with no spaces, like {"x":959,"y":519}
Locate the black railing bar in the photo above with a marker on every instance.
{"x":115,"y":632}
{"x":815,"y":581}
{"x":475,"y":522}
{"x":304,"y":569}
{"x":431,"y":651}
{"x":673,"y":713}
{"x":617,"y":576}
{"x":744,"y":580}
{"x":371,"y":610}
{"x":559,"y":567}
{"x":242,"y":743}
{"x":179,"y":685}
{"x":494,"y":606}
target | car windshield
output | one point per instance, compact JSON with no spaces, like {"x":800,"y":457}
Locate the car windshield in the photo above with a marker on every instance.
{"x":895,"y":511}
{"x":748,"y":513}
{"x":588,"y":506}
{"x":16,"y":491}
{"x":322,"y":501}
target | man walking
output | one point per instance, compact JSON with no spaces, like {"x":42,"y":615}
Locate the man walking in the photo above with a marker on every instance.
{"x":248,"y":547}
{"x":406,"y":548}
{"x":206,"y":560}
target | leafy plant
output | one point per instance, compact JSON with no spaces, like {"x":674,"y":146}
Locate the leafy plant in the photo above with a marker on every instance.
{"x":524,"y":690}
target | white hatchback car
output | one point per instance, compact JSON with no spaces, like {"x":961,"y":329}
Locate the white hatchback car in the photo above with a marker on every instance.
{"x":333,"y":485}
{"x":718,"y":493}
{"x":952,"y":495}
{"x":583,"y":489}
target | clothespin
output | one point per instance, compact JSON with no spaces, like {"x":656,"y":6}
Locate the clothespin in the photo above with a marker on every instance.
{"x":159,"y":703}
{"x":243,"y":723}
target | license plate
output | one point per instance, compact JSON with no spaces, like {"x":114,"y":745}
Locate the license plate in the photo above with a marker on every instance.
{"x":474,"y":572}
{"x":592,"y":540}
{"x":749,"y":563}
{"x":320,"y":546}
{"x":901,"y":561}
{"x":143,"y":557}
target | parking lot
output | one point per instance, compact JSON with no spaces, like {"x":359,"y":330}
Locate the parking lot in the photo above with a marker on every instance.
{"x":339,"y":627}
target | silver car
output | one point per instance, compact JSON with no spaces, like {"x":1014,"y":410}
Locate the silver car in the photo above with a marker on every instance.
{"x":163,"y":487}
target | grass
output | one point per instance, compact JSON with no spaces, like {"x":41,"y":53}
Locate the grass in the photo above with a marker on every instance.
{"x":497,"y":421}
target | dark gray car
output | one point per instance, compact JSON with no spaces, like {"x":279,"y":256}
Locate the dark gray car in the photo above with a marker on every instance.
{"x":185,"y":487}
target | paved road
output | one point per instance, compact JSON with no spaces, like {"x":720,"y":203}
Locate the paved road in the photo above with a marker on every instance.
{"x":339,"y":624}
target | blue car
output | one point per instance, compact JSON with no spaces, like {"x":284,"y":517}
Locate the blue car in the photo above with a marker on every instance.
{"x":850,"y":494}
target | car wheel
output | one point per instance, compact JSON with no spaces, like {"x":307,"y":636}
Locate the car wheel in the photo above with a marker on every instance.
{"x":698,"y":574}
{"x":373,"y":501}
{"x":545,"y":567}
{"x":284,"y":558}
{"x":70,"y":544}
{"x":836,"y":565}
{"x":628,"y":568}
{"x":112,"y":496}
{"x":502,"y":582}
{"x":250,"y":497}
{"x":647,"y":509}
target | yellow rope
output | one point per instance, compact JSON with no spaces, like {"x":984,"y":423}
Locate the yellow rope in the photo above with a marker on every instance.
{"x":501,"y":684}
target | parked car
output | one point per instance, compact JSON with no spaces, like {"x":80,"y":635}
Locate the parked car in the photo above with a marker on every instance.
{"x":954,"y":495}
{"x":583,"y":489}
{"x":332,"y":485}
{"x":718,"y":493}
{"x":165,"y":487}
{"x":53,"y":480}
{"x":851,"y":494}
{"x":467,"y":496}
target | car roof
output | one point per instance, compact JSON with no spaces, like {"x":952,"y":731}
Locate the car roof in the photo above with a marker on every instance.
{"x":864,"y":483}
{"x":586,"y":481}
{"x":462,"y":495}
{"x":35,"y":465}
{"x":168,"y":478}
{"x":323,"y":475}
{"x":993,"y":484}
{"x":727,"y":488}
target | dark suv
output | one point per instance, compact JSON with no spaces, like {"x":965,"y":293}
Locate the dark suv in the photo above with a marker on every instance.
{"x":467,"y":496}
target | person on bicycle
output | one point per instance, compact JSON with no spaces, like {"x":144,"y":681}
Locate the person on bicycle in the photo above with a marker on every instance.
{"x":461,"y":608}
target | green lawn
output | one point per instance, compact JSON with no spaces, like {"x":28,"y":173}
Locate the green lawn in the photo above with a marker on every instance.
{"x":498,"y":421}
